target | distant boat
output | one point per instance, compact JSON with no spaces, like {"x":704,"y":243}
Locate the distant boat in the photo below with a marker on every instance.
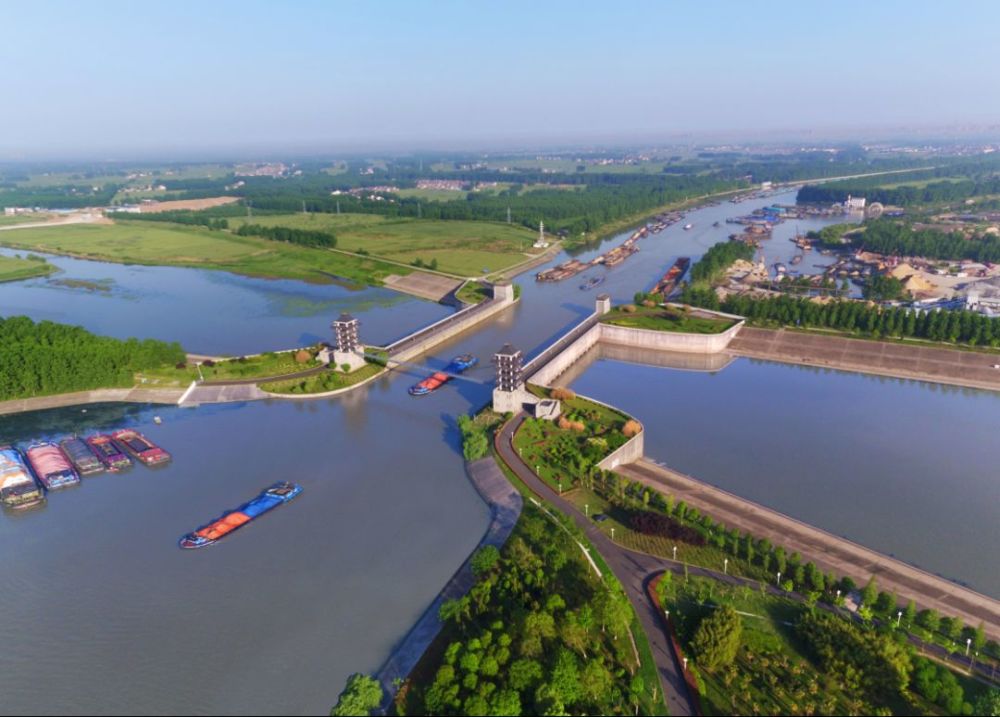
{"x":458,"y":365}
{"x":269,"y":499}
{"x":688,"y":226}
{"x":591,"y":283}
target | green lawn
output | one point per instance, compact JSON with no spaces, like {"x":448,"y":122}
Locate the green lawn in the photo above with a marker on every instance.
{"x":432,"y":195}
{"x":174,"y":245}
{"x":472,"y":292}
{"x":668,"y":319}
{"x":461,"y":248}
{"x":263,"y":366}
{"x":16,"y":268}
{"x":331,"y":380}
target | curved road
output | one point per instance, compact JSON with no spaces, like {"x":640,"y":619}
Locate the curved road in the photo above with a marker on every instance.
{"x":633,"y":570}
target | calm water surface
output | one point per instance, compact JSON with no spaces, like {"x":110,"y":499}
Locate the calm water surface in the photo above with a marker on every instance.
{"x":904,"y":467}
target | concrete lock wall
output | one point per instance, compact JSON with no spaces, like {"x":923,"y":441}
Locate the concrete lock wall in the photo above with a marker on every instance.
{"x":669,"y":340}
{"x":566,"y":358}
{"x":445,"y":332}
{"x":628,"y":453}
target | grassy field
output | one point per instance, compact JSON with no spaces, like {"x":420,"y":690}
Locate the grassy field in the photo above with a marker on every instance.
{"x":174,"y":245}
{"x":16,"y":268}
{"x":460,"y":248}
{"x":473,"y":292}
{"x":6,"y":221}
{"x":432,"y":195}
{"x":263,"y":366}
{"x":667,"y":319}
{"x":322,"y":383}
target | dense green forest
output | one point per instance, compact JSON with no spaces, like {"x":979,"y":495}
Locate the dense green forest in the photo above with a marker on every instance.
{"x":209,"y":218}
{"x":932,"y":193}
{"x":69,"y":196}
{"x":46,"y":358}
{"x":886,"y":236}
{"x":963,"y":327}
{"x":539,"y":633}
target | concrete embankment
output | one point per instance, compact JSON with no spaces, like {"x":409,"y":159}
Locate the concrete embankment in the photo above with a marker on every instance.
{"x":505,"y":508}
{"x":829,"y":552}
{"x":972,"y":369}
{"x":104,"y":395}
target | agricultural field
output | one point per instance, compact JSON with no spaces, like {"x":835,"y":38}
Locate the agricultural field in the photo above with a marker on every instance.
{"x":174,"y":245}
{"x":15,"y":268}
{"x":459,"y":247}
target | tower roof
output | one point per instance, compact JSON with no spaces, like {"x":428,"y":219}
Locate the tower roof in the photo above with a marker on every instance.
{"x":344,"y":318}
{"x":507,"y":350}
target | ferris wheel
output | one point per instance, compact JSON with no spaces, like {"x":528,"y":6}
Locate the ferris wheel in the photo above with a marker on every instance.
{"x":874,"y":210}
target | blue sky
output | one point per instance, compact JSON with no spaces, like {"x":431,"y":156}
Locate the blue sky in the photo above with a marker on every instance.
{"x":178,"y":76}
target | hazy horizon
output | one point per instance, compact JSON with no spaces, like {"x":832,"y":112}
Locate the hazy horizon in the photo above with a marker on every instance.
{"x":230,"y":78}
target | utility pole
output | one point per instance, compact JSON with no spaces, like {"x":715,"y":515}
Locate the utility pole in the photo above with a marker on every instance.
{"x":338,"y":206}
{"x":420,"y":214}
{"x":508,"y":215}
{"x":303,"y":206}
{"x":249,"y":209}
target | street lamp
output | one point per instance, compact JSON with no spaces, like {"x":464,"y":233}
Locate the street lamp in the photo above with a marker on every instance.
{"x":968,"y":644}
{"x":586,"y":509}
{"x":560,"y":487}
{"x":685,"y":663}
{"x":778,"y":581}
{"x":612,"y":535}
{"x":725,"y":566}
{"x":899,"y":616}
{"x":838,"y":595}
{"x":666,"y":614}
{"x":675,"y":552}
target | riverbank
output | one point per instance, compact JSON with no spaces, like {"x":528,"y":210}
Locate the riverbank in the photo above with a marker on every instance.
{"x":18,"y":269}
{"x":102,"y":395}
{"x":505,"y":505}
{"x":829,"y":552}
{"x":955,"y":367}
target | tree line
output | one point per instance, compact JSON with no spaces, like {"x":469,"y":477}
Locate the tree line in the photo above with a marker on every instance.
{"x":305,"y":237}
{"x":960,"y":327}
{"x":903,"y":196}
{"x":186,"y":217}
{"x":45,"y":358}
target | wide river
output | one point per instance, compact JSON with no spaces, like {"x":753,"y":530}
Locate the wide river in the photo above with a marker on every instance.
{"x":105,"y":615}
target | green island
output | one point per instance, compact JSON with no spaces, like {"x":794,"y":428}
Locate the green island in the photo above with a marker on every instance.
{"x":15,"y":268}
{"x":667,"y":318}
{"x":539,"y":633}
{"x":46,"y":358}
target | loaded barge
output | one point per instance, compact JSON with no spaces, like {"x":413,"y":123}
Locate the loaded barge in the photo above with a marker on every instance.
{"x":672,"y":278}
{"x":109,"y":453}
{"x":432,"y":383}
{"x":269,"y":499}
{"x":81,"y":456}
{"x":18,"y":489}
{"x":141,"y":447}
{"x":51,"y":466}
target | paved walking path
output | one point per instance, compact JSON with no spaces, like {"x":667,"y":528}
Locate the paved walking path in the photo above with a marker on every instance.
{"x":828,"y":551}
{"x":633,"y":570}
{"x":103,"y":395}
{"x":505,"y":507}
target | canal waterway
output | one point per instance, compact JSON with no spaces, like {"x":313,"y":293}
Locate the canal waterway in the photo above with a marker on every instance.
{"x":275,"y":617}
